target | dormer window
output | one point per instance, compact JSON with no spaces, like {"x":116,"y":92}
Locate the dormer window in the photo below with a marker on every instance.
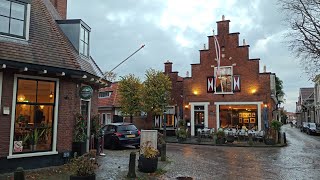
{"x":13,"y":18}
{"x":105,"y":94}
{"x":84,"y":41}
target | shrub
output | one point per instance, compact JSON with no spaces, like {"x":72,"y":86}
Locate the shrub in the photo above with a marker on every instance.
{"x":276,"y":125}
{"x":84,"y":165}
{"x":148,"y":151}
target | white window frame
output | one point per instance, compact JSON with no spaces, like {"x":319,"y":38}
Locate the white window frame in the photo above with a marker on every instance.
{"x":215,"y":76}
{"x":206,"y":114}
{"x":13,"y":114}
{"x":109,"y":94}
{"x":27,"y":26}
{"x":110,"y":120}
{"x":81,"y":41}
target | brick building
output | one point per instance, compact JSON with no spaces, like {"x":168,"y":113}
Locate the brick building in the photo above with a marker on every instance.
{"x":44,"y":62}
{"x":305,"y":111}
{"x":238,"y":95}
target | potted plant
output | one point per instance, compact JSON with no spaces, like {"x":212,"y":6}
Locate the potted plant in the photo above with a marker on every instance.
{"x":221,"y":137}
{"x":148,"y":159}
{"x":34,"y":138}
{"x":181,"y":134}
{"x":276,"y":127}
{"x":79,"y":135}
{"x":83,"y":167}
{"x":181,"y":131}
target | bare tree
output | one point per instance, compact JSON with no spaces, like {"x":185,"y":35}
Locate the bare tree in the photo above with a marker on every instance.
{"x":303,"y":17}
{"x":110,"y":76}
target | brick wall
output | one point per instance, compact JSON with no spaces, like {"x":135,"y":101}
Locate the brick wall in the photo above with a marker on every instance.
{"x":69,"y":105}
{"x":248,"y":69}
{"x":61,"y":6}
{"x":7,"y":88}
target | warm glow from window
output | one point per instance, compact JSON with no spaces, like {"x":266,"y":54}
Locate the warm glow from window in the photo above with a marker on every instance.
{"x":21,"y":98}
{"x":195,"y":92}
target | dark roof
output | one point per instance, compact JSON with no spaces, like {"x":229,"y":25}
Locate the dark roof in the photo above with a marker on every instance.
{"x":47,"y":44}
{"x":306,"y":93}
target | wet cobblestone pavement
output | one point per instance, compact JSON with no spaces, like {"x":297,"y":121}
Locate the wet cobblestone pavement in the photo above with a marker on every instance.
{"x":299,"y":160}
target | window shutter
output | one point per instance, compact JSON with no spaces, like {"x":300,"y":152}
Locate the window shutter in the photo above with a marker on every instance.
{"x":236,"y":83}
{"x":210,"y":84}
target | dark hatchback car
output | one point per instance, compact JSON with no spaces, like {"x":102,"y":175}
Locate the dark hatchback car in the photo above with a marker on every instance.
{"x":121,"y":134}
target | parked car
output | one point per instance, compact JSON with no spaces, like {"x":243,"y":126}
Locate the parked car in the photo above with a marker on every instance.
{"x":313,"y":129}
{"x":304,"y":127}
{"x":121,"y":134}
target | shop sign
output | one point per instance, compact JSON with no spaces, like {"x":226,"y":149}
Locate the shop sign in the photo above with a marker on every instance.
{"x":86,"y":92}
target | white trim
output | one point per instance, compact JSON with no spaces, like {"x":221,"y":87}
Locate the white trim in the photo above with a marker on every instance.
{"x":110,"y":120}
{"x":1,"y":80}
{"x":28,"y":21}
{"x":32,"y":154}
{"x":192,"y":104}
{"x":258,"y":103}
{"x":13,"y":113}
{"x":88,"y":122}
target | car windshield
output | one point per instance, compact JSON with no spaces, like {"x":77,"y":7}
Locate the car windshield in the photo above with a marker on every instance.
{"x":313,"y":126}
{"x":127,"y":128}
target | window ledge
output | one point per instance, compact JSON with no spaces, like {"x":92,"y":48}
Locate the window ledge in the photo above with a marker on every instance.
{"x":225,"y":93}
{"x":13,"y":39}
{"x":14,"y":156}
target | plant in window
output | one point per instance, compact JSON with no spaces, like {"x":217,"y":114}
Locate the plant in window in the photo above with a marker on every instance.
{"x":35,"y":137}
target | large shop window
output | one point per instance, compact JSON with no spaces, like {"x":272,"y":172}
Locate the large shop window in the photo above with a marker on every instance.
{"x":34,"y":116}
{"x":223,"y":80}
{"x":239,"y":116}
{"x":13,"y":15}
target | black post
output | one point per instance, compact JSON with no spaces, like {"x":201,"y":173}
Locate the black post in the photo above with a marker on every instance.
{"x":284,"y":138}
{"x":19,"y":174}
{"x":132,"y":166}
{"x":164,"y":152}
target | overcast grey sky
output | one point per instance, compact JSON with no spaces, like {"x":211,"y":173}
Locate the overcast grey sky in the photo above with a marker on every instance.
{"x":176,"y":29}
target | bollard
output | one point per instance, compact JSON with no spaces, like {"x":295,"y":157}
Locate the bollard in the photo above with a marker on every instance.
{"x":250,"y":139}
{"x":132,"y":166}
{"x":284,"y":138}
{"x":19,"y":174}
{"x":163,"y":152}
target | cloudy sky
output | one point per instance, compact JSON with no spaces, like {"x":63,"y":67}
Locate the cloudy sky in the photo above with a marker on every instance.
{"x":176,"y":29}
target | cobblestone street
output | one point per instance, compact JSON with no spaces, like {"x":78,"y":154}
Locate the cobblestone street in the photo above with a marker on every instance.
{"x":299,"y":160}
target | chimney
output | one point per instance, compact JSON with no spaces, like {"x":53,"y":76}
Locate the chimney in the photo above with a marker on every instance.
{"x":223,"y":26}
{"x":244,"y":42}
{"x":61,"y":7}
{"x":168,"y":67}
{"x":264,"y":68}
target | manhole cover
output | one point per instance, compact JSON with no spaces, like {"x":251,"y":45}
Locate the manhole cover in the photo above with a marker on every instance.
{"x":185,"y":178}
